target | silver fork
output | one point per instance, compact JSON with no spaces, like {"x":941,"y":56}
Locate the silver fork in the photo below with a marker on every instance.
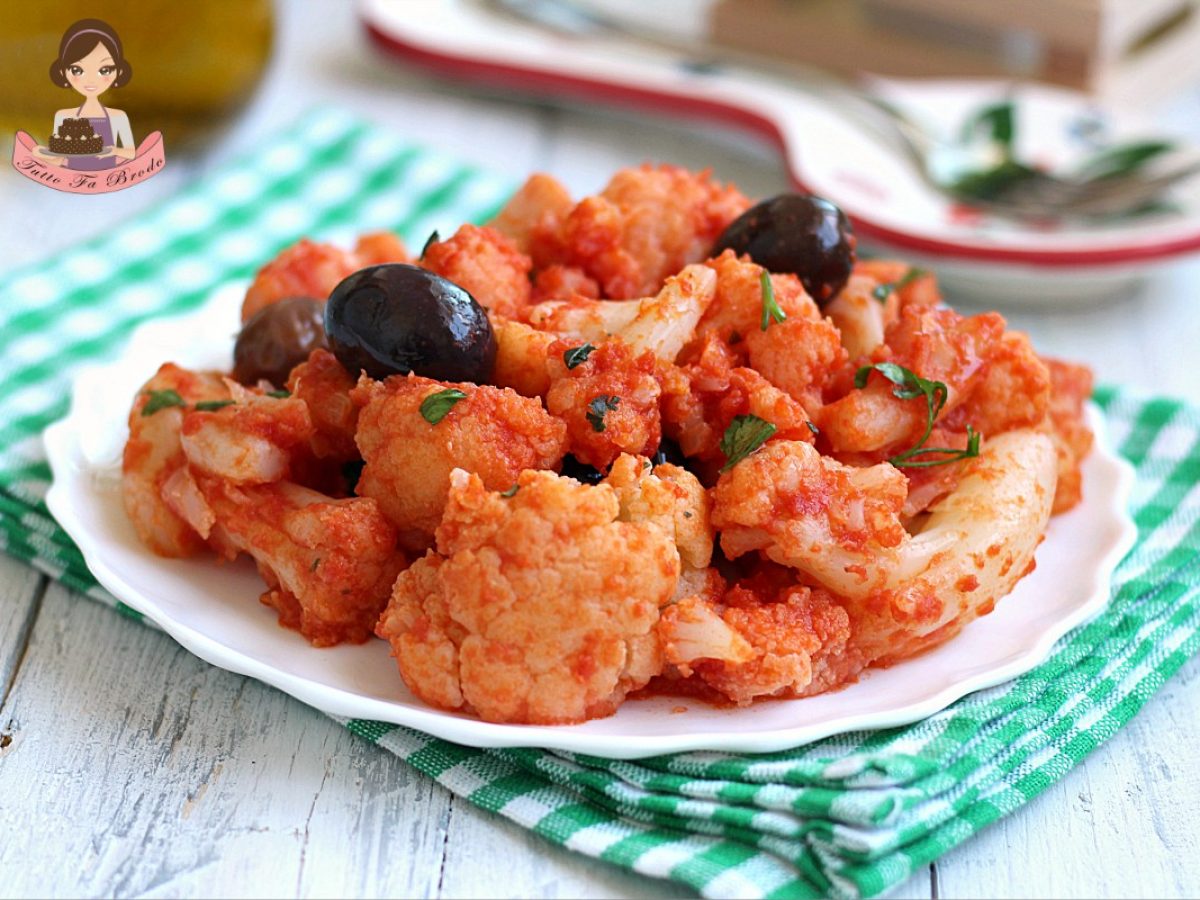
{"x":1045,"y":196}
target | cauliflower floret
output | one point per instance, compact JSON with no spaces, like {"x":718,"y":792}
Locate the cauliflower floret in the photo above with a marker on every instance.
{"x":493,"y":432}
{"x":985,"y":533}
{"x":521,"y":354}
{"x":647,"y":224}
{"x":935,"y":344}
{"x":324,"y":385}
{"x":329,"y":564}
{"x":911,"y":286}
{"x":582,"y":319}
{"x":702,"y":398}
{"x":487,"y":265}
{"x":1013,"y":391}
{"x":799,"y":356}
{"x":536,"y":608}
{"x":1071,"y":386}
{"x":669,"y":497}
{"x":753,"y":645}
{"x":533,"y":216}
{"x":379,"y":247}
{"x":661,"y":324}
{"x":153,"y":455}
{"x":558,"y":282}
{"x":311,"y":269}
{"x":838,"y":524}
{"x":254,"y":440}
{"x":737,"y":306}
{"x":609,"y":402}
{"x":860,"y":317}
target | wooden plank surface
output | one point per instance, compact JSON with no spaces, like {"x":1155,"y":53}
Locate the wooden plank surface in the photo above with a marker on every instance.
{"x":134,"y":769}
{"x":20,"y":596}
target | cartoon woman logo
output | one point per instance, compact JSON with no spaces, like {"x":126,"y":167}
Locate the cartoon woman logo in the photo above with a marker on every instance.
{"x":93,"y":140}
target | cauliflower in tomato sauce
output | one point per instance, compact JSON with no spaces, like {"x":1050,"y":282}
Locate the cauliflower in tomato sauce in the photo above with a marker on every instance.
{"x":780,"y":465}
{"x":537,"y":607}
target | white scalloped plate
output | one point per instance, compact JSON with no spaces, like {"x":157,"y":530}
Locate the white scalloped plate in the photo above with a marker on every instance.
{"x":214,"y":611}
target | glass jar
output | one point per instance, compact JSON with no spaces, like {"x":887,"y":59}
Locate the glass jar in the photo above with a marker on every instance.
{"x":194,"y":64}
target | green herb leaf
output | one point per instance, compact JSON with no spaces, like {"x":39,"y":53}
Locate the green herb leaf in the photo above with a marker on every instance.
{"x":433,"y":238}
{"x":577,"y":356}
{"x":909,"y":385}
{"x":511,"y":491}
{"x":883,"y":291}
{"x":211,"y":405}
{"x":161,"y":400}
{"x":279,"y":395}
{"x":744,"y":435}
{"x":435,"y":407}
{"x":999,"y":120}
{"x":597,"y":409}
{"x":316,"y":562}
{"x":770,"y":309}
{"x":1121,"y":159}
{"x":993,"y":182}
{"x":813,"y":428}
{"x":907,"y":459}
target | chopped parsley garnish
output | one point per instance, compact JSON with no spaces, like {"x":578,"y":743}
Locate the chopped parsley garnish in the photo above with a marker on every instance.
{"x":511,"y":491}
{"x":161,"y":400}
{"x":433,"y":238}
{"x":598,"y":408}
{"x":577,"y":356}
{"x":436,"y":405}
{"x":316,"y":562}
{"x":813,"y":428}
{"x":211,"y":405}
{"x":908,"y":386}
{"x":744,"y":435}
{"x":279,"y":395}
{"x":770,"y":309}
{"x":906,"y":459}
{"x":883,"y":291}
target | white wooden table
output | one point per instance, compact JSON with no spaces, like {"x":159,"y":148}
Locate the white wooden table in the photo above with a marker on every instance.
{"x":130,"y":768}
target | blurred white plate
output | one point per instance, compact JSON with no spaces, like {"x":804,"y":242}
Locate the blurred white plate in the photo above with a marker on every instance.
{"x":213,"y":610}
{"x":828,"y":151}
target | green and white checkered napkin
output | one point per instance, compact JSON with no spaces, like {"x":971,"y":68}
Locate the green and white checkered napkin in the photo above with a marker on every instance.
{"x":847,"y":816}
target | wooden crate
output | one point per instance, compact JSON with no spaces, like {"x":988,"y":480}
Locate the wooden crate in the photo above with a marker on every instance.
{"x":1120,"y":50}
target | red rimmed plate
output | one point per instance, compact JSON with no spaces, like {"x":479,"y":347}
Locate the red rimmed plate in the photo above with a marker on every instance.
{"x":829,"y":152}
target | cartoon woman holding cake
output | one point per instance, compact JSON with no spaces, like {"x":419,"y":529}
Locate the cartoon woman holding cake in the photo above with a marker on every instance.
{"x":91,"y":136}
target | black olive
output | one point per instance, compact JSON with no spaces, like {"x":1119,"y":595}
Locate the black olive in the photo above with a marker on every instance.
{"x":797,"y":233}
{"x":395,"y":318}
{"x":573,"y":468}
{"x":277,"y":338}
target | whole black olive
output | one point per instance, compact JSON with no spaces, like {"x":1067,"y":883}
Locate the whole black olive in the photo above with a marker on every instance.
{"x":573,"y":468}
{"x":395,"y":318}
{"x":277,"y":338}
{"x":797,"y":233}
